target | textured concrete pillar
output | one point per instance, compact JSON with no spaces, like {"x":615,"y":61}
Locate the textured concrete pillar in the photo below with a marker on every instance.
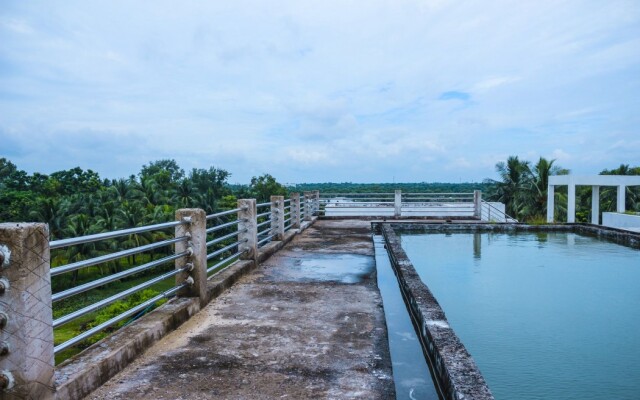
{"x":316,"y":202}
{"x":277,"y":217}
{"x":571,"y":204}
{"x":26,"y":330}
{"x":198,"y":247}
{"x":295,"y":210}
{"x":248,"y":229}
{"x":397,"y":204}
{"x":477,"y":204}
{"x":308,"y":206}
{"x":621,"y":206}
{"x":550,"y":203}
{"x":595,"y":205}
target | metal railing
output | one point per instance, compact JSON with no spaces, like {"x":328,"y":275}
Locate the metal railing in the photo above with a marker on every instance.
{"x":398,"y":204}
{"x":222,"y":231}
{"x":490,"y":213}
{"x":265,"y":233}
{"x":153,"y":265}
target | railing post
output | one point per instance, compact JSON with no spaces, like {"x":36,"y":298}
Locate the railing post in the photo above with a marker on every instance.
{"x":277,"y":217}
{"x":308,"y":206}
{"x":248,"y":229}
{"x":397,"y":204}
{"x":197,"y":246}
{"x":316,"y":202}
{"x":477,"y":204}
{"x":295,"y":210}
{"x":26,"y":327}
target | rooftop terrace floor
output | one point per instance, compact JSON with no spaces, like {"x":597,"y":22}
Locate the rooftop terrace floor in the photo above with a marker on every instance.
{"x":307,"y":323}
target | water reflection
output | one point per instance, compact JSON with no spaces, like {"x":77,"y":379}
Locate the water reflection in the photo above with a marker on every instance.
{"x":477,"y":246}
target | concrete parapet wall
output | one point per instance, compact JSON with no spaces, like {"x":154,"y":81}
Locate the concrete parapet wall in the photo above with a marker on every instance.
{"x":618,"y":220}
{"x":456,"y":373}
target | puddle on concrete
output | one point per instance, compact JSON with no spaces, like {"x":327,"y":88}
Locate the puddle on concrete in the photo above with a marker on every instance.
{"x":343,"y":268}
{"x":410,"y":370}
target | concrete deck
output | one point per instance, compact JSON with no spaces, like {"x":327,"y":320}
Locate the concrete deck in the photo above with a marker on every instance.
{"x":307,"y":323}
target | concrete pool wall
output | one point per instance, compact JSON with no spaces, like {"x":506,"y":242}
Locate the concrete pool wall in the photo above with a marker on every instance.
{"x":456,"y":373}
{"x":454,"y":370}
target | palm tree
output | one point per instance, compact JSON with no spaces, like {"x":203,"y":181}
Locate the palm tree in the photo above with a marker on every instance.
{"x":516,"y":178}
{"x":536,"y":198}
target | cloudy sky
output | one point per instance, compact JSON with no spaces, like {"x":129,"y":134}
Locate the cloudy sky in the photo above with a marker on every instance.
{"x":316,"y":91}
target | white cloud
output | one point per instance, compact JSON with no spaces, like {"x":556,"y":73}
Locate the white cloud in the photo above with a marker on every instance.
{"x":349,"y":92}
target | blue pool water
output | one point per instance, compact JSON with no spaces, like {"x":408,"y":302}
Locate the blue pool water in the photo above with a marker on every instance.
{"x":544,"y":315}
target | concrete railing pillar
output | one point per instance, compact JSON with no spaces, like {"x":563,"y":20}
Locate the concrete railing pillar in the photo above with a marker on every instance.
{"x":308,"y":206}
{"x":595,"y":205}
{"x":277,"y":217}
{"x":248,"y":229}
{"x":26,"y":326}
{"x":316,"y":202}
{"x":477,"y":204}
{"x":397,"y":204}
{"x":550,"y":203}
{"x":295,"y":210}
{"x":197,"y":246}
{"x":620,"y":204}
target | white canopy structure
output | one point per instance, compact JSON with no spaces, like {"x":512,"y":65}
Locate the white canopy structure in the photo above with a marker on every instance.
{"x":595,"y":181}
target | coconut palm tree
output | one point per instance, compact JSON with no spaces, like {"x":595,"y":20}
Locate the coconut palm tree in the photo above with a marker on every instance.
{"x":515,"y":180}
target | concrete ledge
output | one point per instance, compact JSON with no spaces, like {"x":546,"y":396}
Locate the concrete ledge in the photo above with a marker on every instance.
{"x":78,"y":376}
{"x":456,"y":374}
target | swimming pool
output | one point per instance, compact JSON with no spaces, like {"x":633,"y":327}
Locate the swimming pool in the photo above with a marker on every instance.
{"x":544,"y":314}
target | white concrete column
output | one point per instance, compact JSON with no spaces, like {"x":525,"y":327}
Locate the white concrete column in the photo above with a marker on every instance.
{"x":550,"y":203}
{"x":26,"y":326}
{"x":477,"y":204}
{"x":248,"y":229}
{"x":295,"y":211}
{"x":621,"y":206}
{"x":197,"y":229}
{"x":595,"y":205}
{"x":397,"y":204}
{"x":571,"y":204}
{"x":277,"y":217}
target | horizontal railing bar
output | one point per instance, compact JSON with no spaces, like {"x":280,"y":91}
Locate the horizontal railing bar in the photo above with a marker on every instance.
{"x":225,"y":248}
{"x":264,"y":204}
{"x":265,"y":239}
{"x":56,"y":244}
{"x":113,"y":256}
{"x":261,"y":224}
{"x":264,"y":232}
{"x":107,"y":279}
{"x":126,"y":314}
{"x":221,"y":262}
{"x":287,"y":201}
{"x":222,"y":226}
{"x":105,"y":302}
{"x":264,"y":214}
{"x":222,"y":238}
{"x":223,"y":213}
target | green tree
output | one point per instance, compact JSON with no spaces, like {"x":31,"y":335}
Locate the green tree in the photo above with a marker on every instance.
{"x":264,"y":186}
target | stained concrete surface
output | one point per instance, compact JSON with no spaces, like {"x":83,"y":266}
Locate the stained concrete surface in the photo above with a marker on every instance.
{"x":308,"y":323}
